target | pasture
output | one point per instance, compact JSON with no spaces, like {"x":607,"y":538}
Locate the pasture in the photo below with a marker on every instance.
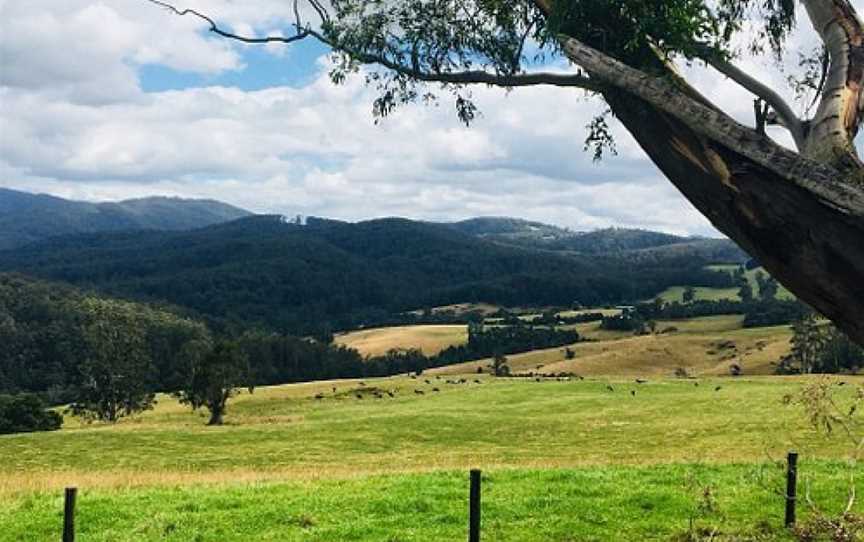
{"x":564,"y":460}
{"x":591,"y":458}
{"x":705,"y":346}
{"x":430,"y":339}
{"x":715,"y":294}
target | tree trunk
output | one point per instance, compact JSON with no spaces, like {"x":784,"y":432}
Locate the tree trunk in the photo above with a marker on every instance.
{"x":809,"y":246}
{"x":802,"y":219}
{"x":831,"y":133}
{"x":217,"y":411}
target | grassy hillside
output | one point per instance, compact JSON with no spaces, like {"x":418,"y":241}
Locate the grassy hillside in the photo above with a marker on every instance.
{"x":590,"y":464}
{"x":702,"y":346}
{"x":284,"y":431}
{"x":429,"y":339}
{"x":713,"y":294}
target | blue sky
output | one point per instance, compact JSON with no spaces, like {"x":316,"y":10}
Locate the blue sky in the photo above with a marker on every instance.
{"x":261,"y":69}
{"x":108,"y":100}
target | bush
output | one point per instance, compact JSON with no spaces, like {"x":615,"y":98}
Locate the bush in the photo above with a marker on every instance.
{"x":26,"y":413}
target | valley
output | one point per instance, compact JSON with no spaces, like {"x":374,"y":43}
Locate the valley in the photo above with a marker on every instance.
{"x":386,"y":358}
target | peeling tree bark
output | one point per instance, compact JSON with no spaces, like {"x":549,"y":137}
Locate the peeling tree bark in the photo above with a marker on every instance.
{"x":805,"y":243}
{"x":831,"y":133}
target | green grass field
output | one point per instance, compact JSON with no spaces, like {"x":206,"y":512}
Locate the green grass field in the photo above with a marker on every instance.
{"x":715,"y":294}
{"x":601,"y":504}
{"x":564,"y":461}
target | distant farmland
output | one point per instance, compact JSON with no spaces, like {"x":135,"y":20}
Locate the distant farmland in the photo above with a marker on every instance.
{"x":702,"y":346}
{"x":714,"y":294}
{"x":430,"y":339}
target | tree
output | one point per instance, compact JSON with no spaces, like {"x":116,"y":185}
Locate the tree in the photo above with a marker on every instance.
{"x":115,"y":378}
{"x":651,"y":326}
{"x":745,"y":291}
{"x":499,"y":366}
{"x":214,"y":376}
{"x":768,"y":288}
{"x":839,"y":354}
{"x":799,"y":212}
{"x":25,"y":413}
{"x":819,"y":347}
{"x":688,"y":295}
{"x":807,"y":343}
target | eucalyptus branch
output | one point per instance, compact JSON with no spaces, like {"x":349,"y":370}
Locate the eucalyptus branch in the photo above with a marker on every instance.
{"x":786,"y":117}
{"x":300,"y":35}
{"x":454,"y":78}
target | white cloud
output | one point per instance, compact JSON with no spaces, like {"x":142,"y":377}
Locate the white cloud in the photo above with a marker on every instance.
{"x":73,"y":121}
{"x":87,"y":51}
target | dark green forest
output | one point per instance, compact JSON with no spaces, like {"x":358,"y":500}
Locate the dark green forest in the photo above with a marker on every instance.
{"x":263,"y":271}
{"x":68,"y":346}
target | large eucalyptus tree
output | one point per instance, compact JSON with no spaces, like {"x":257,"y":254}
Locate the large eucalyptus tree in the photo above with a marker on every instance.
{"x":799,"y":212}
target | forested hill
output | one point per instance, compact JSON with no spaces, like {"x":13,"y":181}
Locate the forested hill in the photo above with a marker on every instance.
{"x":623,"y":242}
{"x":286,"y":276}
{"x":48,"y":329}
{"x":26,"y":218}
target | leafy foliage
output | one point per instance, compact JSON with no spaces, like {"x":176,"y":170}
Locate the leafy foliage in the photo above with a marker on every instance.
{"x":626,"y":321}
{"x":214,"y":377}
{"x":25,"y":413}
{"x":499,"y":366}
{"x":105,"y":355}
{"x":819,"y":347}
{"x":421,"y":40}
{"x":294,"y":279}
{"x":116,"y":368}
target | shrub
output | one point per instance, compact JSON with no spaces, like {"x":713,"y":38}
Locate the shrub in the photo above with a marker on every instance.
{"x":26,"y":413}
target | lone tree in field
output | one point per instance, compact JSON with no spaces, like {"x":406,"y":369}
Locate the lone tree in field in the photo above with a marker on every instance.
{"x":214,"y":376}
{"x":499,"y":365}
{"x":114,"y":378}
{"x":799,"y":212}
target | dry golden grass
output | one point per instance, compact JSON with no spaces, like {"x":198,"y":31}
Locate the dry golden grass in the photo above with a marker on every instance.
{"x":430,"y":339}
{"x":701,"y":346}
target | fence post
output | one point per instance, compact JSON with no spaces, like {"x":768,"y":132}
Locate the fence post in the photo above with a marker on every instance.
{"x":474,"y":508}
{"x":69,"y":514}
{"x":791,"y":487}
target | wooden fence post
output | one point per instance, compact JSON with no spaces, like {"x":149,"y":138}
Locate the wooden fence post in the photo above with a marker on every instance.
{"x":791,"y":487}
{"x":69,"y":514}
{"x":474,"y":508}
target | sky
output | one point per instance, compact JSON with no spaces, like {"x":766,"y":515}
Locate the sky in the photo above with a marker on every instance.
{"x":114,"y":99}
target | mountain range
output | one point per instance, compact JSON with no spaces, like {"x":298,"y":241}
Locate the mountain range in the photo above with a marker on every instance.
{"x":27,"y":218}
{"x":635,"y":244}
{"x":268,"y":271}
